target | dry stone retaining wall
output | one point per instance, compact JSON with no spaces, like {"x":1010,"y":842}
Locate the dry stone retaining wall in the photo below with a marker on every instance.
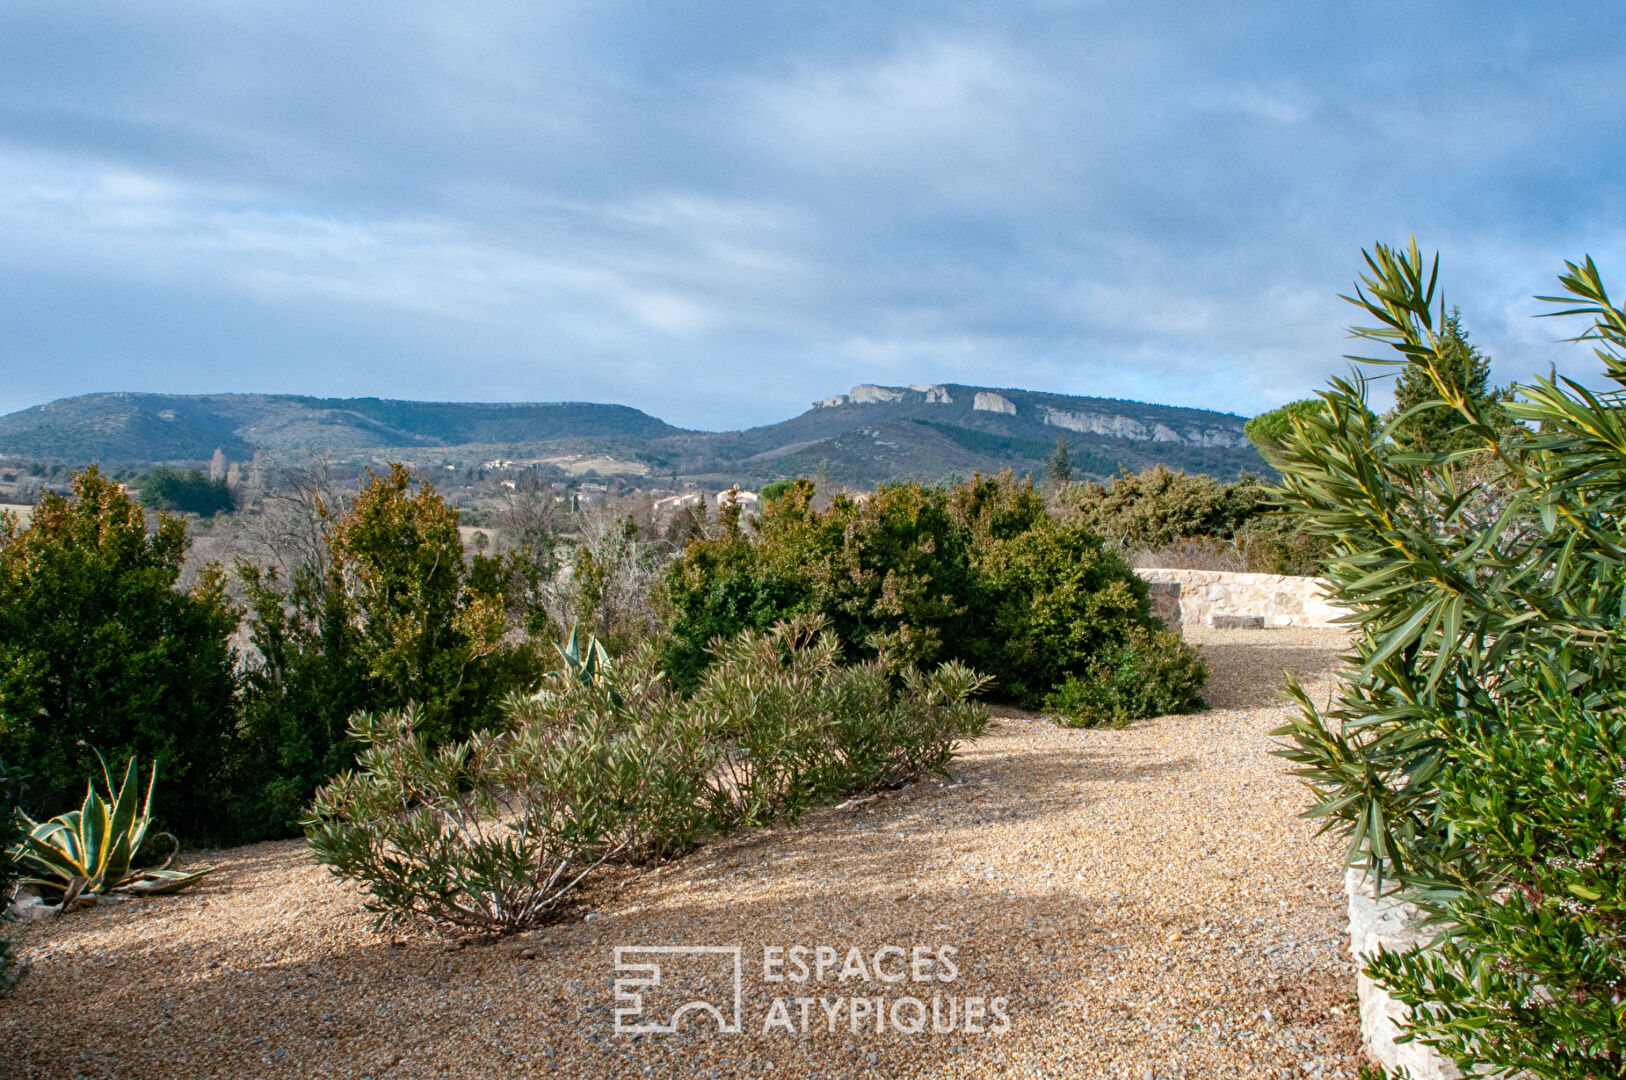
{"x":1280,"y":599}
{"x":1391,"y":926}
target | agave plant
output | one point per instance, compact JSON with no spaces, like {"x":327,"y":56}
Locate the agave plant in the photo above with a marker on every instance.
{"x":585,"y":666}
{"x":87,"y":852}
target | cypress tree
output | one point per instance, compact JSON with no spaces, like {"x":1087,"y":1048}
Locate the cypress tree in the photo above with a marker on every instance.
{"x":1463,"y":368}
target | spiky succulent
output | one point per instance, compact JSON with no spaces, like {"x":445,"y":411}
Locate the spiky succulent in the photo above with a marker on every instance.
{"x":87,"y":852}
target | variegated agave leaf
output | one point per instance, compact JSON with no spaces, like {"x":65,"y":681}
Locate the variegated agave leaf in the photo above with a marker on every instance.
{"x":158,"y":882}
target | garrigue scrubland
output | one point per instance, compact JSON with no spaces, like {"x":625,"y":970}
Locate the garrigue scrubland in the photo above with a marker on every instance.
{"x":772,"y":733}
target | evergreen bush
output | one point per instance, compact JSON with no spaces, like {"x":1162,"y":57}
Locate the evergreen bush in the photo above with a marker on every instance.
{"x":100,"y":652}
{"x":979,"y":573}
{"x":383,"y":611}
{"x":11,"y":833}
{"x":1156,"y":507}
{"x":1149,"y":673}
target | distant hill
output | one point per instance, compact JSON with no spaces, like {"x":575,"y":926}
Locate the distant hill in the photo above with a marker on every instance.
{"x":869,"y":435}
{"x":138,"y":428}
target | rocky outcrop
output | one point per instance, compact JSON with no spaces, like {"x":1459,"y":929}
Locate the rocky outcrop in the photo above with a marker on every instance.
{"x":1127,"y":427}
{"x":1192,"y":430}
{"x":870,"y":394}
{"x":867,"y":394}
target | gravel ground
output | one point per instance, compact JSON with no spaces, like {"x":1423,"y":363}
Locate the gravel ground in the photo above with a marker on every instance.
{"x":1145,"y":901}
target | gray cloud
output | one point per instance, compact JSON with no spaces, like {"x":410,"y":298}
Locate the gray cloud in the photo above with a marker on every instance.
{"x":718,"y":212}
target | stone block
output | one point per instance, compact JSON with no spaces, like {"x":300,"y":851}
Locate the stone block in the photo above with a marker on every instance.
{"x":1236,"y":622}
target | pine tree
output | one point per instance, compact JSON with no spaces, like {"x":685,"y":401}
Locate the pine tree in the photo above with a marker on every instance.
{"x":1463,"y":367}
{"x":1057,"y":469}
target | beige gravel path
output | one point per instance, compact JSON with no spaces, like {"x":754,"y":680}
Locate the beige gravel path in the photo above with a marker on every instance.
{"x":1145,"y":900}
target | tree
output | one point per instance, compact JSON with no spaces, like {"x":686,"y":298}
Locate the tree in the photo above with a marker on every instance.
{"x":1057,"y":469}
{"x":380,"y":611}
{"x":100,"y":652}
{"x":1268,"y":430}
{"x":1455,"y":368}
{"x":189,"y":493}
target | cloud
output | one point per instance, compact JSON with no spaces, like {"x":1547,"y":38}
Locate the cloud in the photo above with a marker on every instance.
{"x":721,"y":213}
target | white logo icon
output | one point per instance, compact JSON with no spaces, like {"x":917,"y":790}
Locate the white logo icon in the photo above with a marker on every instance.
{"x":630,"y":988}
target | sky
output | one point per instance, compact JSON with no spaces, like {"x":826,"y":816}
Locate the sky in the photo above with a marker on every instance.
{"x":719,"y":212}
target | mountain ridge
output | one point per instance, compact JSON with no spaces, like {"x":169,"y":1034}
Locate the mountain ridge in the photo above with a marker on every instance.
{"x":870,"y":434}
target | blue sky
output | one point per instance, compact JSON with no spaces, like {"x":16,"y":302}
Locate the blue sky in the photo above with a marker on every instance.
{"x":718,"y":212}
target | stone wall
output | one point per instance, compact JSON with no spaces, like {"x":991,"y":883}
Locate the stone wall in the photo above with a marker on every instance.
{"x":1279,"y":599}
{"x":1166,"y":603}
{"x":1393,"y":927}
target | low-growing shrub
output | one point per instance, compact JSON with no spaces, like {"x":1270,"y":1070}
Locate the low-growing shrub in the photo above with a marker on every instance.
{"x":1275,"y":544}
{"x":1267,"y":544}
{"x":486,"y":836}
{"x":792,"y":725}
{"x":1149,"y":673}
{"x":490,"y":835}
{"x":1158,"y":506}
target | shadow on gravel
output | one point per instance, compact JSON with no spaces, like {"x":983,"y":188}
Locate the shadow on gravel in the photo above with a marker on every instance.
{"x":1235,"y":669}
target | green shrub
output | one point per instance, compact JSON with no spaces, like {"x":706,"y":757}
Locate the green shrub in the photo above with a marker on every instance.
{"x":486,"y":836}
{"x":1149,"y":673}
{"x":188,"y":493}
{"x":1156,"y":507}
{"x":1529,"y":976}
{"x":1048,"y":603}
{"x":1275,"y":544}
{"x":384,"y":611}
{"x":979,"y":573}
{"x":794,"y":726}
{"x":490,"y":835}
{"x":12,"y":780}
{"x":100,"y":652}
{"x":887,"y":574}
{"x":1474,"y":754}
